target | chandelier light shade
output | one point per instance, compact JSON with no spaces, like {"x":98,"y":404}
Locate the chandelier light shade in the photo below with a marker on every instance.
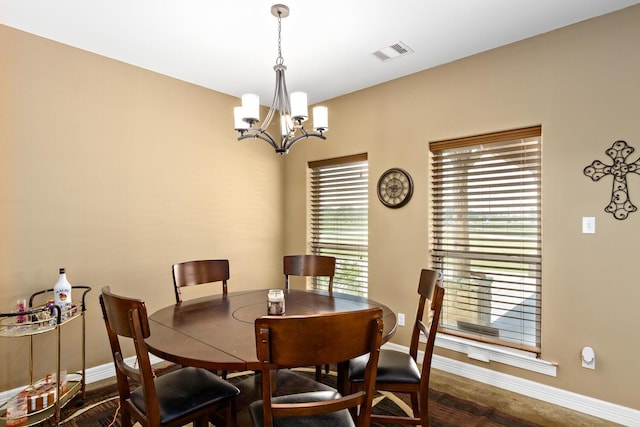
{"x":292,"y":109}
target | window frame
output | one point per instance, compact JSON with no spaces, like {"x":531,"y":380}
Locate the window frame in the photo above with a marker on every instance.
{"x":478,"y":201}
{"x":348,"y":245}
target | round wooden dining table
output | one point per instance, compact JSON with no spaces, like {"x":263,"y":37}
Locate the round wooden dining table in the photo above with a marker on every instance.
{"x":217,"y":332}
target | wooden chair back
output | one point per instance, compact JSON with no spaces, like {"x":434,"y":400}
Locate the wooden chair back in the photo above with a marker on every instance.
{"x":393,"y":367}
{"x":291,"y":341}
{"x":309,"y":265}
{"x":200,"y":272}
{"x":427,"y":285}
{"x":429,"y":327}
{"x":177,"y":398}
{"x":127,"y":318}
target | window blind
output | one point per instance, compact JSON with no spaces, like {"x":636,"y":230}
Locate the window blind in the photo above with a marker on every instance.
{"x":338,"y":223}
{"x":486,"y":236}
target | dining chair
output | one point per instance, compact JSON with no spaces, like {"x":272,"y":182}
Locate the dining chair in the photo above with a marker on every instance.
{"x":174,"y":399}
{"x":200,"y":272}
{"x":314,"y":266}
{"x":398,"y":371}
{"x":283,"y":342}
{"x":309,"y":265}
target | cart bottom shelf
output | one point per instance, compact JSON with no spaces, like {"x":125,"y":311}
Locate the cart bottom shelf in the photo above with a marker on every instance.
{"x":37,"y":417}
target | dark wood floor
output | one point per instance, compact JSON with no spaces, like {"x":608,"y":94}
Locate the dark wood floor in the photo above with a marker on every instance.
{"x":516,"y":404}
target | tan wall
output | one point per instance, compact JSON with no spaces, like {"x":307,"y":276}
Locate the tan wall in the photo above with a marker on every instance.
{"x":582,"y":83}
{"x":116,"y":173}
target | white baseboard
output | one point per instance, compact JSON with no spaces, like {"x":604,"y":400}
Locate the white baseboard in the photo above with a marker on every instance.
{"x":574,"y":401}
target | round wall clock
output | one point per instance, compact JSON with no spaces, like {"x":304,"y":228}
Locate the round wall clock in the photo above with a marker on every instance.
{"x":395,"y":188}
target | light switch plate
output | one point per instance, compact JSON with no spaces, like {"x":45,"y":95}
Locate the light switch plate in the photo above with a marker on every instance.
{"x":588,"y":225}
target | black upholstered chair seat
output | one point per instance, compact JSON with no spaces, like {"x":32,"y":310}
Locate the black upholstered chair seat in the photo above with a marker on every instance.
{"x":185,"y":390}
{"x":393,"y":367}
{"x":333,"y":419}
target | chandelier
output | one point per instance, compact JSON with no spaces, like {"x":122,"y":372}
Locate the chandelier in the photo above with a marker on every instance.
{"x":292,"y":110}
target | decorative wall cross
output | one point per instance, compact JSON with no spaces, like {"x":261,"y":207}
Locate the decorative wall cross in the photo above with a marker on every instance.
{"x":620,"y":205}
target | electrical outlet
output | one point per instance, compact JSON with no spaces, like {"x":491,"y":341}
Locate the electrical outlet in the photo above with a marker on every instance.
{"x":400,"y":319}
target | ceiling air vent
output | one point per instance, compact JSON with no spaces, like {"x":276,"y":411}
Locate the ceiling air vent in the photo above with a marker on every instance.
{"x":394,"y":51}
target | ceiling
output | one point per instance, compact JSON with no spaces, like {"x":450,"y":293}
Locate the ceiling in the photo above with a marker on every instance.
{"x":231,"y":46}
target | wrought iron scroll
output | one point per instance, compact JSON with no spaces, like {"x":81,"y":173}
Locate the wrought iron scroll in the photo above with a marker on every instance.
{"x":620,"y":206}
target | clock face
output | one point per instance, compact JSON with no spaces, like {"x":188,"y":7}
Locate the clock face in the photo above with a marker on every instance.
{"x":395,"y":188}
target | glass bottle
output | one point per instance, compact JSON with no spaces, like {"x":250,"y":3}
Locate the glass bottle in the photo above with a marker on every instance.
{"x":62,"y":292}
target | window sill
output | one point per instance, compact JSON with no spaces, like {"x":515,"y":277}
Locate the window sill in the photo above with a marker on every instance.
{"x":494,"y":353}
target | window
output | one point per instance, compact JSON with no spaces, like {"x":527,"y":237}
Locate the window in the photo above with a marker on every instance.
{"x":339,"y":220}
{"x":486,"y":236}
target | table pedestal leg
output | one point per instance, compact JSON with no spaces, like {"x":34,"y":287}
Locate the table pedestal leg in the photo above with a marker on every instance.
{"x":343,"y":378}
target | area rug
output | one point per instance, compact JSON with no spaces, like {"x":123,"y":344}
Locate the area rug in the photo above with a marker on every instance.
{"x":445,"y":410}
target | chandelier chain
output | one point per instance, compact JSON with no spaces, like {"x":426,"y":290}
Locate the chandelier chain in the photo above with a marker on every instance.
{"x":280,"y":59}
